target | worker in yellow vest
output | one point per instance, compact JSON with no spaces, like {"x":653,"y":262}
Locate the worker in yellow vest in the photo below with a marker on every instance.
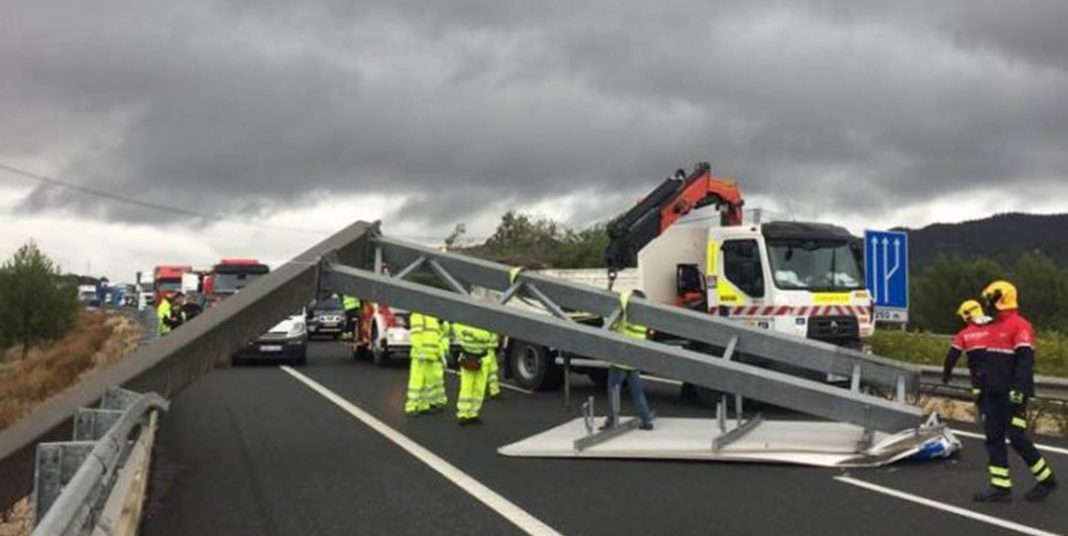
{"x":436,"y":395}
{"x":351,"y":304}
{"x":426,"y":336}
{"x":170,"y":313}
{"x":492,"y":371}
{"x":478,"y":345}
{"x":163,"y":315}
{"x":618,"y":374}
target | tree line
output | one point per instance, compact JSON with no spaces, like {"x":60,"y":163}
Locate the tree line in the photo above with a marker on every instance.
{"x":937,"y":289}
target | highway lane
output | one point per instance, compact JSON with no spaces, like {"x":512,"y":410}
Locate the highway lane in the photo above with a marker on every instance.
{"x":320,"y":466}
{"x":249,"y":451}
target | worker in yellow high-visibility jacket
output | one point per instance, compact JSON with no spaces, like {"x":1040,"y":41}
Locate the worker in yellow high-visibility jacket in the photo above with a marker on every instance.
{"x":351,"y":304}
{"x":492,"y":371}
{"x":426,"y":335}
{"x":618,"y":374}
{"x":436,"y":395}
{"x":478,"y":345}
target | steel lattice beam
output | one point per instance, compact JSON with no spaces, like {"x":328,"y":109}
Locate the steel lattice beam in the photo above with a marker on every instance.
{"x":802,"y":353}
{"x":700,"y":369}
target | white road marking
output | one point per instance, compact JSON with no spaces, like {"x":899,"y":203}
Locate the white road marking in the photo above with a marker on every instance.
{"x":990,"y":520}
{"x":504,"y":507}
{"x":506,"y":385}
{"x":1047,"y":448}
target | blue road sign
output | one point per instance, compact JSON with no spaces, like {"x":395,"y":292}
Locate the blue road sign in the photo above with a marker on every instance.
{"x":886,"y":263}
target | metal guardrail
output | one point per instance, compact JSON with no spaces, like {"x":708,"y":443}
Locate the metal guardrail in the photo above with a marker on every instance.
{"x":65,"y":506}
{"x":1046,"y":387}
{"x":170,"y":363}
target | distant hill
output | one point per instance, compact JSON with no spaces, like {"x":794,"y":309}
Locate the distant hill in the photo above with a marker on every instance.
{"x":1003,"y":237}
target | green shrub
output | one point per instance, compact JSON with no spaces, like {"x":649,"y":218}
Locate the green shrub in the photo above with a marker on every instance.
{"x":1051,"y":349}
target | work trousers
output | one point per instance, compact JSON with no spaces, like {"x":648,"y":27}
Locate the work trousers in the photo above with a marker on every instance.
{"x":420,"y":374}
{"x":491,"y":369}
{"x":472,"y":391}
{"x":616,"y":377}
{"x":1003,"y":418}
{"x":436,"y":395}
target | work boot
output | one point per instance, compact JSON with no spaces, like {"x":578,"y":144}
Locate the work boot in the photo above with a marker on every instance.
{"x":993,"y":494}
{"x":463,"y":421}
{"x":495,"y":396}
{"x":608,"y":423}
{"x":646,"y":426}
{"x":475,"y":420}
{"x":413,"y":414}
{"x":1041,"y":490}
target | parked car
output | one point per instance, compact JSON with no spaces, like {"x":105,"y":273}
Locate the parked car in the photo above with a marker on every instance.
{"x":286,"y":342}
{"x":327,"y":317}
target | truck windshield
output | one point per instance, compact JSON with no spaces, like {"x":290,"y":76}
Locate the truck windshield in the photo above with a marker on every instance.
{"x":166,"y":284}
{"x":817,"y":265}
{"x":231,"y":283}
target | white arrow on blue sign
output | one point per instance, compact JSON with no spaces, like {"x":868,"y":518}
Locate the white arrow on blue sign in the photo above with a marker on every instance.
{"x":886,"y":272}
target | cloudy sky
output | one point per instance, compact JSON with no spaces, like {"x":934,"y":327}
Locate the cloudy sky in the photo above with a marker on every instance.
{"x":294,"y":118}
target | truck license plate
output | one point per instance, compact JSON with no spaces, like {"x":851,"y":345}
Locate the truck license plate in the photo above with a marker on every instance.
{"x":270,"y":348}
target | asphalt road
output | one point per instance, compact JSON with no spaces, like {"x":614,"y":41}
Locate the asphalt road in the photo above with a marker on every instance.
{"x":253,"y":450}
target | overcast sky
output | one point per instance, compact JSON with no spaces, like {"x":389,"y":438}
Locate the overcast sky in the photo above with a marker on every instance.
{"x":298,"y":117}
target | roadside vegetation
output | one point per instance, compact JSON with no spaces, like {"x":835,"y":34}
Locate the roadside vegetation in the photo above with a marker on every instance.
{"x":36,"y":305}
{"x":98,"y":339}
{"x":1051,"y":349}
{"x":47,"y":342}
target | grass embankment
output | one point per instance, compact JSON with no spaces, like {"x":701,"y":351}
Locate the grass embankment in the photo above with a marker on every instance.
{"x":1051,"y":349}
{"x":98,"y":339}
{"x":1051,"y":359}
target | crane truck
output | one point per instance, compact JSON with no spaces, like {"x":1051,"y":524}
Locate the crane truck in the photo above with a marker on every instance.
{"x":693,"y":248}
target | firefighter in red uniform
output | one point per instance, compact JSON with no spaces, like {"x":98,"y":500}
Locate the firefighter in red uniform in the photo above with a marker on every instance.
{"x":973,"y":341}
{"x":1006,"y":374}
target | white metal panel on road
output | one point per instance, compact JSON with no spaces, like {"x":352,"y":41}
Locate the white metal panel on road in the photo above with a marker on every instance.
{"x":823,"y":444}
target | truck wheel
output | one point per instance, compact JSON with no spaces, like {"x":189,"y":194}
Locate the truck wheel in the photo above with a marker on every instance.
{"x":533,"y":367}
{"x":599,"y":377}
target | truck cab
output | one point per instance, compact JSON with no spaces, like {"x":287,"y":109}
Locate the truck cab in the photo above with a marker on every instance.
{"x":802,"y":279}
{"x":229,"y":276}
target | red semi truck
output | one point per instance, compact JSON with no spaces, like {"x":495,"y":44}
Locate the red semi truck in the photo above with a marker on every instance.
{"x":231,"y":275}
{"x":167,"y":279}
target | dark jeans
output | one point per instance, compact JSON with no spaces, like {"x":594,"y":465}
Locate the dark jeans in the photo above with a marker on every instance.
{"x":616,"y":377}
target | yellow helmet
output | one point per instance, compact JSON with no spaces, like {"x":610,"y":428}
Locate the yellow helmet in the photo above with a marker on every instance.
{"x":970,"y":310}
{"x":1001,"y":295}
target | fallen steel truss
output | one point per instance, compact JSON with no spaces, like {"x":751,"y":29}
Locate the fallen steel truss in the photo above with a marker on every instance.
{"x":451,"y":300}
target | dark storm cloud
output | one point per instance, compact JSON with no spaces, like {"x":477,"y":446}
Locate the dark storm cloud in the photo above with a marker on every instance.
{"x":479,"y":105}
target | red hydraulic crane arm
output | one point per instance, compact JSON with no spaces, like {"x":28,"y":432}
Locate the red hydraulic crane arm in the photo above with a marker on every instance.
{"x":705,"y":190}
{"x":673,"y":199}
